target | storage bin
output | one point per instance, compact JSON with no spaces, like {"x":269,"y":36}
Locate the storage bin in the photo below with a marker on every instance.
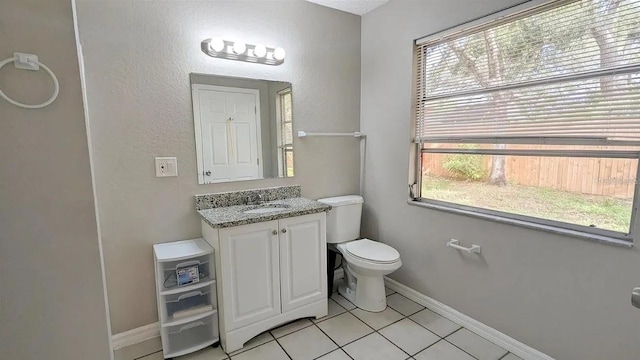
{"x":191,"y":336}
{"x":169,"y":277}
{"x":190,"y":302}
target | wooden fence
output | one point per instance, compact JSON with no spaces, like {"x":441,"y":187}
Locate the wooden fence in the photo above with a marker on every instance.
{"x":594,"y":176}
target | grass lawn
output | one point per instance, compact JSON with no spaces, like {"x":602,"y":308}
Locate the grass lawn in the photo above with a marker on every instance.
{"x":604,"y":212}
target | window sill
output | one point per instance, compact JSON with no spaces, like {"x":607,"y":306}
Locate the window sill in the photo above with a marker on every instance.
{"x":527,"y":224}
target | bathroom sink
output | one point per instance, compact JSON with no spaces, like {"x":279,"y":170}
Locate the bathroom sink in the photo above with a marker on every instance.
{"x":267,"y":208}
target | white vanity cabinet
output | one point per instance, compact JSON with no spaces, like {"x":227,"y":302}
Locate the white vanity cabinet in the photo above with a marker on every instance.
{"x":303,"y":261}
{"x":269,"y":273}
{"x":250,"y":272}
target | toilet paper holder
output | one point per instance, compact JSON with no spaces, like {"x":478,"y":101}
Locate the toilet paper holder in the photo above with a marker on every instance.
{"x":476,"y":249}
{"x":635,"y":297}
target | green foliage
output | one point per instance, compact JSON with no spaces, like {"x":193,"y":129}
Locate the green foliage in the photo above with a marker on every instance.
{"x":465,"y":167}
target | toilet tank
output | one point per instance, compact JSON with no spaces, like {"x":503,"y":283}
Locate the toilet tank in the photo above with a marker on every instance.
{"x":343,"y":220}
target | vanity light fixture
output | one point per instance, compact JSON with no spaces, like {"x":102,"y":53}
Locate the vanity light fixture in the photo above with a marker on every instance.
{"x":260,"y":51}
{"x":279,"y":54}
{"x":238,"y":50}
{"x":216,"y":44}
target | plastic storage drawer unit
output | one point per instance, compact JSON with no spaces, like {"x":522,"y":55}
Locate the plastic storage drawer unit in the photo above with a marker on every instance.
{"x":186,"y":293}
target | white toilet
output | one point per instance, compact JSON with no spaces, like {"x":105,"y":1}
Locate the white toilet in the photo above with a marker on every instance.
{"x":364,"y":261}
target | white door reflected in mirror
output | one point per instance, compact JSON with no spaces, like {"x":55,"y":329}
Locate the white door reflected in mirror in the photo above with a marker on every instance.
{"x":229,"y":124}
{"x":243,"y":128}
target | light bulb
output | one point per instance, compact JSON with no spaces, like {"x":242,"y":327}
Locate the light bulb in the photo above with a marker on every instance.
{"x":260,"y":51}
{"x":239,"y":47}
{"x":279,"y":54}
{"x":216,"y":44}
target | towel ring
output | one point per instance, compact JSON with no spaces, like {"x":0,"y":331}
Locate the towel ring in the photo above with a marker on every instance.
{"x":32,"y":63}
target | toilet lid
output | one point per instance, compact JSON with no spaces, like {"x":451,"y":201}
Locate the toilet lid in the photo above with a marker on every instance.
{"x":373,"y":251}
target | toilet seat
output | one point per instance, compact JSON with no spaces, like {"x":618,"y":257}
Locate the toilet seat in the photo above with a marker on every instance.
{"x":372,"y":251}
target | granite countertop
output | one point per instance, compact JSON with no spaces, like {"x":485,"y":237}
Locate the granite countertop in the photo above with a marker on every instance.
{"x":228,"y":216}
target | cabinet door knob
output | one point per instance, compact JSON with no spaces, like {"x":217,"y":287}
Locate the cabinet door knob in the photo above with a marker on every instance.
{"x":208,"y":173}
{"x":275,"y":232}
{"x":284,"y":230}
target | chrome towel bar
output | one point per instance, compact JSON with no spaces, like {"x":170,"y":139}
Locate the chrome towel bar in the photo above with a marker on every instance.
{"x":303,"y":134}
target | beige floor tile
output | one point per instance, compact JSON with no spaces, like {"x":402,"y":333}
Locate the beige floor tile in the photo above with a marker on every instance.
{"x":268,"y":351}
{"x":343,"y":301}
{"x":208,"y":353}
{"x":344,"y":328}
{"x":290,"y":327}
{"x":334,"y":309}
{"x":307,"y":344}
{"x":403,"y":305}
{"x":434,"y":322}
{"x":378,"y":320}
{"x":256,"y":341}
{"x":374,"y":347}
{"x":476,"y":345}
{"x":335,"y":355}
{"x":442,"y":350}
{"x":409,"y":336}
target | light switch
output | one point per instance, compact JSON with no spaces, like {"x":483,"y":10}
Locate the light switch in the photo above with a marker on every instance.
{"x":166,"y":166}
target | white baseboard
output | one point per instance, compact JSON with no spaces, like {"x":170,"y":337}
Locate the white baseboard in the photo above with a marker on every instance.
{"x":506,"y":342}
{"x":135,"y":336}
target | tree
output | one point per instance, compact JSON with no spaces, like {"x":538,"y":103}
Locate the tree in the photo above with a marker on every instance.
{"x":493,"y":77}
{"x":604,"y":15}
{"x":531,"y":48}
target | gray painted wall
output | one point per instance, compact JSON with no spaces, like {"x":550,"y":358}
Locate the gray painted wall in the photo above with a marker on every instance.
{"x":138,"y":56}
{"x":51,"y":290}
{"x":564,"y":296}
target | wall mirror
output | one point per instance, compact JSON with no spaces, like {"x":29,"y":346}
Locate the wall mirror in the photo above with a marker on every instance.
{"x":243,"y":127}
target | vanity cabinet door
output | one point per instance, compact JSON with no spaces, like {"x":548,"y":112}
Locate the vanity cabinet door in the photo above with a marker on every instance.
{"x":250,"y":273}
{"x":303,"y":260}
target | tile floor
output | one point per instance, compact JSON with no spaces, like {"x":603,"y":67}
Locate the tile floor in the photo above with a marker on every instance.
{"x":405,"y":330}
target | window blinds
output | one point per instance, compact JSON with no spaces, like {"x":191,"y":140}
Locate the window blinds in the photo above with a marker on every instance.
{"x":569,"y":72}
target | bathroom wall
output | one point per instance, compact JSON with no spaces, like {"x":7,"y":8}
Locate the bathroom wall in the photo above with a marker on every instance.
{"x":138,"y":56}
{"x":564,"y":296}
{"x":51,"y":290}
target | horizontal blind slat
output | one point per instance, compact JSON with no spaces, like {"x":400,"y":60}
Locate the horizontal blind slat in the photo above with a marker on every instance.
{"x":575,"y":85}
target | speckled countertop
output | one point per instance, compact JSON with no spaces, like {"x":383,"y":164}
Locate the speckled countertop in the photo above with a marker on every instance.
{"x":228,"y":216}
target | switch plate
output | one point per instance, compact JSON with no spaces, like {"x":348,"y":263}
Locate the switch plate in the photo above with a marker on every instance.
{"x":166,"y":166}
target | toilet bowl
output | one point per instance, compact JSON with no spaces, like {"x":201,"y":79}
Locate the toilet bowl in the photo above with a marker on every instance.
{"x":365,"y":262}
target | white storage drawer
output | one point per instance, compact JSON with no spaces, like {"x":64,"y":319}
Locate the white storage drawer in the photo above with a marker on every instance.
{"x":191,"y":336}
{"x":188,"y":314}
{"x":190,"y":303}
{"x":206,"y":271}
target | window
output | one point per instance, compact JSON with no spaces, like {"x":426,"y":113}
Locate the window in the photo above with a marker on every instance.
{"x":285,"y":133}
{"x":534,"y":118}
